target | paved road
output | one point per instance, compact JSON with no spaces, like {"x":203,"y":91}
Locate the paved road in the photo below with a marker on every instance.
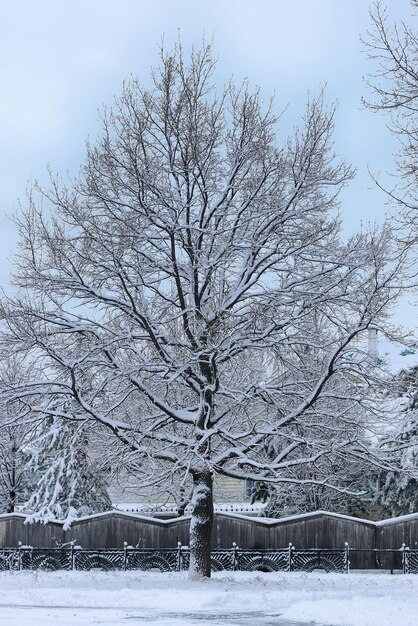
{"x":21,"y":615}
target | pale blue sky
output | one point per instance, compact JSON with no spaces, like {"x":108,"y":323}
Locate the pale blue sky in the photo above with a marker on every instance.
{"x":61,"y":60}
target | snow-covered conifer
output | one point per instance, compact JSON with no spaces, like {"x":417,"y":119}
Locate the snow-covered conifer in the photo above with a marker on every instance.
{"x":70,"y":482}
{"x":397,"y":491}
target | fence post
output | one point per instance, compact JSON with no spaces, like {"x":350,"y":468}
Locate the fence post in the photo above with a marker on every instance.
{"x":234,"y":556}
{"x":405,"y":560}
{"x":19,"y":556}
{"x":72,"y":554}
{"x":125,"y":555}
{"x":346,"y":557}
{"x":290,"y":557}
{"x":179,"y":556}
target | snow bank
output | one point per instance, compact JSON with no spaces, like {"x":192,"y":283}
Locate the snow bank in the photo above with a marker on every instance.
{"x":84,"y":598}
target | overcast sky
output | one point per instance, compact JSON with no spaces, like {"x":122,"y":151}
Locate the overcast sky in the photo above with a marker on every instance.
{"x":61,"y":60}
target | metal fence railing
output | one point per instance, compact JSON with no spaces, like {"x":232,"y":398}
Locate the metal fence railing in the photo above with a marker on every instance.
{"x":73,"y":557}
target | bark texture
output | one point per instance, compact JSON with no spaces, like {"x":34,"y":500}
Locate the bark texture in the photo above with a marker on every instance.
{"x":201,"y":524}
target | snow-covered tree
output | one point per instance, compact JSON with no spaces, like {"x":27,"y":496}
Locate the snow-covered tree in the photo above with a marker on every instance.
{"x":303,"y":497}
{"x":397,"y":491}
{"x":299,"y":498}
{"x":393,"y":51}
{"x":15,"y":483}
{"x":15,"y":432}
{"x":193,"y":241}
{"x":343,"y":413}
{"x":47,"y":464}
{"x":70,"y":481}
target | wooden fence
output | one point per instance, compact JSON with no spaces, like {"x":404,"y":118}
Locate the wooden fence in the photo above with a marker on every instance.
{"x":313,"y":530}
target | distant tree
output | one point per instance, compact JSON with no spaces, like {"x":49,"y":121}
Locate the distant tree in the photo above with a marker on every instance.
{"x":191,"y":243}
{"x":393,"y":49}
{"x":15,"y":429}
{"x":14,"y":480}
{"x":318,"y":492}
{"x":343,"y":413}
{"x":312,"y":487}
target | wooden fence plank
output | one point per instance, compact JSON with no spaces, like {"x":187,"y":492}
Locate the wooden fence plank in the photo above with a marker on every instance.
{"x":312,"y":530}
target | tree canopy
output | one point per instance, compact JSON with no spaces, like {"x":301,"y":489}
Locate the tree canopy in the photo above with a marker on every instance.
{"x":393,"y":84}
{"x":168,"y":292}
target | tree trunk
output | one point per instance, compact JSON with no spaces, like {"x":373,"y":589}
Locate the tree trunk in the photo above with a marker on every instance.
{"x":201,"y":523}
{"x":12,"y":502}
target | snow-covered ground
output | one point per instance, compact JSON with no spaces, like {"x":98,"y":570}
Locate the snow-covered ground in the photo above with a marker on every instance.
{"x":239,"y":598}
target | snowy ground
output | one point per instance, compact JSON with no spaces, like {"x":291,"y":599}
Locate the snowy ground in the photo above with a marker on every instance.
{"x":228,"y":599}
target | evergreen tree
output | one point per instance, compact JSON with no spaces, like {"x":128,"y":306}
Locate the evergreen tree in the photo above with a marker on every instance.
{"x":397,"y":491}
{"x":70,"y":483}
